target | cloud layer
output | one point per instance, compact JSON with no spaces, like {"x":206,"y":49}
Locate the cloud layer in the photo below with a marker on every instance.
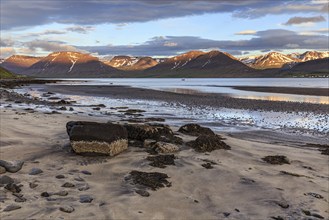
{"x":301,"y":20}
{"x":17,"y":13}
{"x":275,"y":39}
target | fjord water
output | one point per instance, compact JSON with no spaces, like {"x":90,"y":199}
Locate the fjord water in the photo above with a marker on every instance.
{"x":218,"y":118}
{"x":219,"y":85}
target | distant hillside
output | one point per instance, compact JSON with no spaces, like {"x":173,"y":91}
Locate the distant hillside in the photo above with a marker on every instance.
{"x":127,"y":63}
{"x":316,"y":68}
{"x":69,"y":64}
{"x":200,"y":64}
{"x":19,"y":63}
{"x":5,"y":74}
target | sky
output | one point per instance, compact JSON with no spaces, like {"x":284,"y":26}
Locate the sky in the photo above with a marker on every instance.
{"x":162,"y":28}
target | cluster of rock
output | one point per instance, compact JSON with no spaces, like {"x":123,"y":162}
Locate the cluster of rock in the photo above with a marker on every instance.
{"x":158,"y":139}
{"x":112,"y":139}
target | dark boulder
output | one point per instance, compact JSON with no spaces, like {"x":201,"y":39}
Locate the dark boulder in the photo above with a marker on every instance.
{"x":276,"y":160}
{"x":162,"y":161}
{"x":158,"y":132}
{"x":98,"y":138}
{"x":195,"y":130}
{"x":152,"y":180}
{"x":208,"y":143}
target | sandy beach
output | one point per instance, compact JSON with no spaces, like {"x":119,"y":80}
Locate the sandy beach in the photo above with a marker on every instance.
{"x":238,"y":183}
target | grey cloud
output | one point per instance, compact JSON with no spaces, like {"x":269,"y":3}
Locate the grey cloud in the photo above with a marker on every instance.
{"x":6,"y":42}
{"x":17,"y":13}
{"x":46,"y":32}
{"x":301,"y":20}
{"x":263,"y":40}
{"x":80,"y":29}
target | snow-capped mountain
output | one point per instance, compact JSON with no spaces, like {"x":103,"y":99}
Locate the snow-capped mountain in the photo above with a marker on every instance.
{"x":131,"y":63}
{"x":310,"y":55}
{"x":68,"y":64}
{"x":270,"y":60}
{"x":212,"y":64}
{"x":19,"y":63}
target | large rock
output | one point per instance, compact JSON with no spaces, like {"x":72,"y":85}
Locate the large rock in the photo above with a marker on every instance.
{"x":12,"y":166}
{"x":208,"y":143}
{"x":195,"y":130}
{"x":160,"y":147}
{"x":100,"y":138}
{"x":158,"y":132}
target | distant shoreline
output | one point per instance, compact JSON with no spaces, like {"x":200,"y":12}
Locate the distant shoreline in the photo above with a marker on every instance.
{"x":286,"y":90}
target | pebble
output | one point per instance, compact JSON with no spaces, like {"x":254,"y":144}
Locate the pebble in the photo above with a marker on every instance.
{"x":35,"y":171}
{"x":12,"y":166}
{"x":12,"y":208}
{"x":20,"y":199}
{"x":4,"y":179}
{"x":86,"y":172}
{"x":67,"y":209}
{"x":12,"y":187}
{"x":61,"y":193}
{"x":68,"y":185}
{"x":2,"y":170}
{"x":60,"y":176}
{"x":86,"y":199}
{"x":45,"y":194}
{"x":79,"y":179}
{"x":83,"y":188}
{"x":33,"y":185}
{"x":143,"y":193}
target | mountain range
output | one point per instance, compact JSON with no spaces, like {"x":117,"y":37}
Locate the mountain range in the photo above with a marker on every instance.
{"x":190,"y":64}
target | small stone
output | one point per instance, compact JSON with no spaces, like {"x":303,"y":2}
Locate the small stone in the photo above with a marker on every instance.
{"x":60,"y":176}
{"x":79,"y":179}
{"x":86,"y":199}
{"x":315,"y":195}
{"x":12,"y":187}
{"x":35,"y":171}
{"x":207,"y":165}
{"x":86,"y":172}
{"x":226,"y":214}
{"x":283,"y":204}
{"x":68,"y":185}
{"x":12,"y":208}
{"x":71,"y":109}
{"x":45,"y":194}
{"x":143,"y":193}
{"x":102,"y":204}
{"x":20,"y":199}
{"x":196,"y":201}
{"x":67,"y":209}
{"x":18,"y":195}
{"x":4,"y":179}
{"x":12,"y":166}
{"x":83,"y":188}
{"x":2,"y":170}
{"x":61,"y":193}
{"x":33,"y":185}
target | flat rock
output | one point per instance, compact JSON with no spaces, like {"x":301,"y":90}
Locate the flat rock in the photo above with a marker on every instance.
{"x":68,"y":185}
{"x":4,"y":179}
{"x":20,"y":199}
{"x":86,"y":172}
{"x":61,"y":193}
{"x":162,"y":161}
{"x":86,"y":199}
{"x":66,"y":208}
{"x":195,"y":130}
{"x":208,"y":143}
{"x":97,"y":138}
{"x":12,"y":166}
{"x":33,"y":185}
{"x":12,"y":207}
{"x":84,"y":188}
{"x":152,"y":180}
{"x":35,"y":171}
{"x":276,"y":160}
{"x":165,"y":148}
{"x":158,"y":132}
{"x":60,"y":176}
{"x":45,"y":194}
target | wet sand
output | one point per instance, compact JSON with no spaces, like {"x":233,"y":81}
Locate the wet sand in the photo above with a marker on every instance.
{"x":239,"y":186}
{"x":199,"y":100}
{"x":287,"y":90}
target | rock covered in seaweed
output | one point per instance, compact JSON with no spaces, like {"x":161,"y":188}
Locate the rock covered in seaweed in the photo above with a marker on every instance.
{"x":97,"y":138}
{"x":195,"y":130}
{"x":208,"y":143}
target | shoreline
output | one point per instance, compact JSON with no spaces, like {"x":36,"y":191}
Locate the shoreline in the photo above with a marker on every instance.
{"x":286,"y":90}
{"x":200,"y":99}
